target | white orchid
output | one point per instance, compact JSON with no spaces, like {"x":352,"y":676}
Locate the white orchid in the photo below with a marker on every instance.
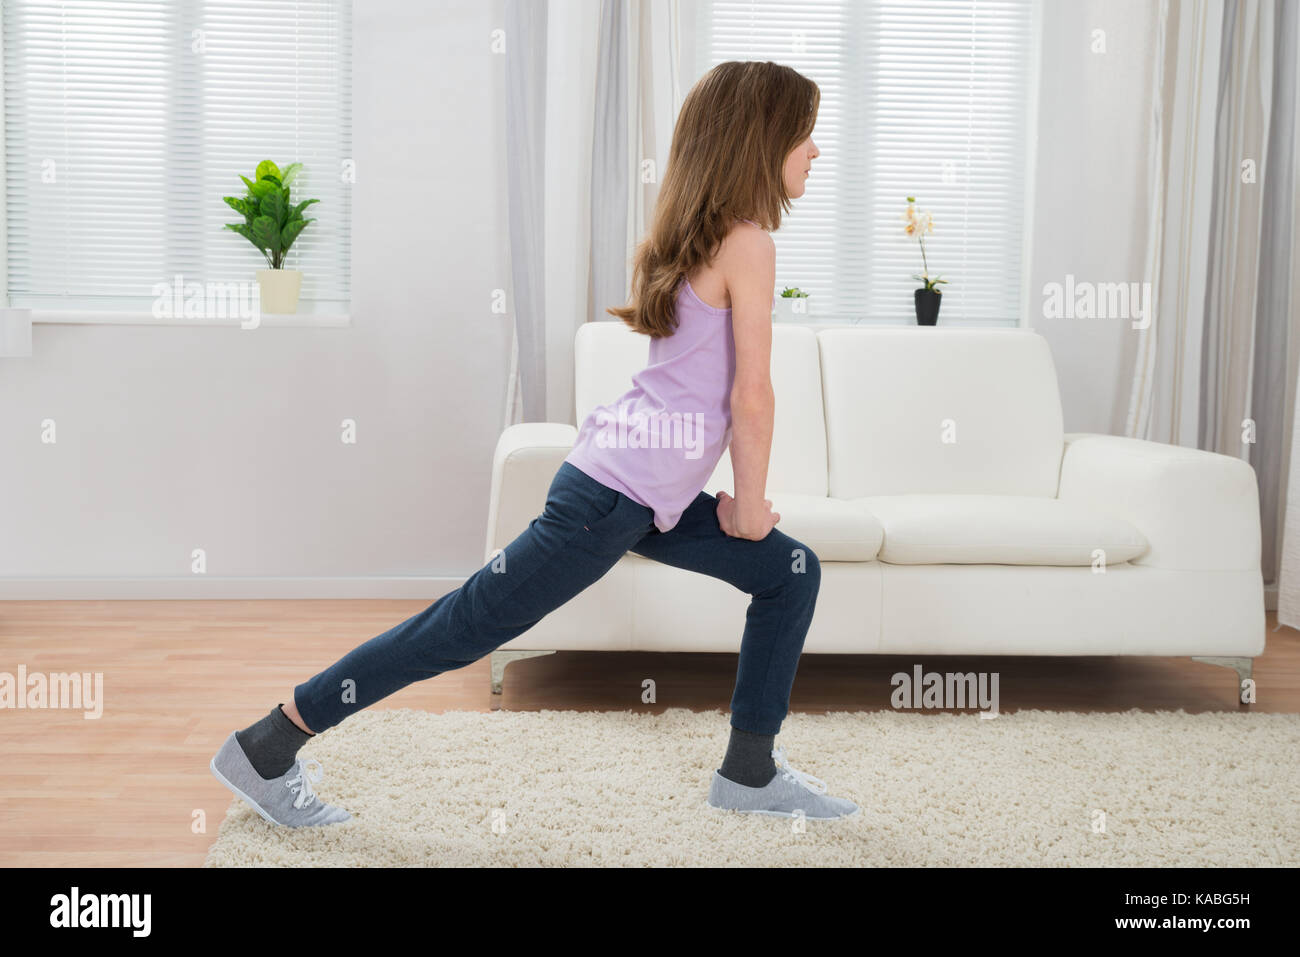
{"x":919,"y":223}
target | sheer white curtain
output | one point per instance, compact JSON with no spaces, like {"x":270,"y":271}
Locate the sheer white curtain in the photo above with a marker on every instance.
{"x":1217,"y":363}
{"x":1165,"y":397}
{"x":592,"y":95}
{"x":1282,"y":291}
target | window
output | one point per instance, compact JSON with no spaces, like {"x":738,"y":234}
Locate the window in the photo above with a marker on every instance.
{"x":127,"y":121}
{"x":917,"y":99}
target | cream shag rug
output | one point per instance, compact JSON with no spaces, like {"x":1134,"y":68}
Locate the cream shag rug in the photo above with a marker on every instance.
{"x":572,"y":788}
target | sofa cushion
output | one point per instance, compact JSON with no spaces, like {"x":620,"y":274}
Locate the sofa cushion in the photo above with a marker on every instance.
{"x":836,"y":531}
{"x":923,"y":529}
{"x":952,"y":411}
{"x":609,"y":354}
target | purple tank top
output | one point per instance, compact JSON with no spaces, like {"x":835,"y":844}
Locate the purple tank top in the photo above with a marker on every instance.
{"x":660,"y":441}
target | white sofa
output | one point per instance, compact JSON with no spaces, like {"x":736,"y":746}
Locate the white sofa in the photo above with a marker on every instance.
{"x":928,"y":469}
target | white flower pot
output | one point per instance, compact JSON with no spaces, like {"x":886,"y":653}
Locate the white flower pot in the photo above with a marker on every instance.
{"x":278,"y":290}
{"x":791,"y":309}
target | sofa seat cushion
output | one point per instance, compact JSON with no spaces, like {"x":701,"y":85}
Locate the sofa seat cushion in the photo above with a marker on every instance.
{"x":926,"y":529}
{"x":836,"y":531}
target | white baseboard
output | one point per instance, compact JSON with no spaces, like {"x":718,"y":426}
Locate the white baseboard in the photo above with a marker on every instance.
{"x":1270,"y":597}
{"x":200,"y":588}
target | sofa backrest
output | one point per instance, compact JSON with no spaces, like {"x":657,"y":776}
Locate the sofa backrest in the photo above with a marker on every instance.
{"x":929,"y":409}
{"x":608,"y":354}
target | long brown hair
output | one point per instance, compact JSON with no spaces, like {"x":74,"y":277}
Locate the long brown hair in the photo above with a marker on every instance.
{"x":727,"y":161}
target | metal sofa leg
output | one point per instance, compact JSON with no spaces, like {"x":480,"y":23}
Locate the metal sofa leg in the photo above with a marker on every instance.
{"x":499,"y":661}
{"x":1243,"y":667}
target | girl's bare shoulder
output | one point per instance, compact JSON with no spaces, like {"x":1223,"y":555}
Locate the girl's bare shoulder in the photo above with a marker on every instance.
{"x":746,"y":248}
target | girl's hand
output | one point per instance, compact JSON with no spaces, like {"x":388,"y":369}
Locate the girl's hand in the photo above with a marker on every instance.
{"x":750,"y":523}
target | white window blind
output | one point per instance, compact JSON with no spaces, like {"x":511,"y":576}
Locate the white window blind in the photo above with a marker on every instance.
{"x":127,"y":121}
{"x":917,"y":99}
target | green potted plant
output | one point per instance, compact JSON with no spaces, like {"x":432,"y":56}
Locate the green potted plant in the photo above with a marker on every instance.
{"x":927,"y":298}
{"x":791,"y":305}
{"x":272,"y":224}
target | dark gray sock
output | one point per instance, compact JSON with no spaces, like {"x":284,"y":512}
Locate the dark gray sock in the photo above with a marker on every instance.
{"x":272,"y":743}
{"x":749,"y":759}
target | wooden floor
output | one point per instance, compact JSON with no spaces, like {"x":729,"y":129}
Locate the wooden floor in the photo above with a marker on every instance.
{"x":179,"y":676}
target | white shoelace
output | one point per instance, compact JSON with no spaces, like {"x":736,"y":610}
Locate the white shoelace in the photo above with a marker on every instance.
{"x":816,"y":785}
{"x":309,"y":772}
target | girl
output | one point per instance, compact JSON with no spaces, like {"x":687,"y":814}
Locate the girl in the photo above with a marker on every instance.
{"x":702,"y":291}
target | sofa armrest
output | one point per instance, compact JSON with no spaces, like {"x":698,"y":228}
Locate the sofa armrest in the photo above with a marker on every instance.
{"x":526,"y":460}
{"x":1199,"y":510}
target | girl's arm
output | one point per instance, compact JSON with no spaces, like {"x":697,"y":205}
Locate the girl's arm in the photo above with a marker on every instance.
{"x":750,"y":271}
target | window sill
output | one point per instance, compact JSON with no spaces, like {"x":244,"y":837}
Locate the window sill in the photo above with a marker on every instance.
{"x":144,"y":318}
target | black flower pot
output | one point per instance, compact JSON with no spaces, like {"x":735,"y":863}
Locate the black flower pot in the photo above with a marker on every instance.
{"x":927,"y":306}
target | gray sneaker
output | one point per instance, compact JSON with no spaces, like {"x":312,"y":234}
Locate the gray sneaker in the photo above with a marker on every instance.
{"x":785,"y":795}
{"x":287,"y":800}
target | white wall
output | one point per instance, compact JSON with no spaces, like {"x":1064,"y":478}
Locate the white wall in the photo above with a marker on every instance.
{"x":1089,"y":216}
{"x":171,"y":439}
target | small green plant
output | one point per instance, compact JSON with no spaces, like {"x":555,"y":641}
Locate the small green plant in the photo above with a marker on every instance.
{"x":793,"y":292}
{"x":270,"y":223}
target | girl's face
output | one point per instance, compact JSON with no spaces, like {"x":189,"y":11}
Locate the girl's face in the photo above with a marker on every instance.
{"x":797,"y":165}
